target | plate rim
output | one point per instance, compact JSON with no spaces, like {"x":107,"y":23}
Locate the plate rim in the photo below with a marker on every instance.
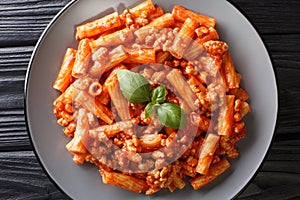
{"x":26,"y":83}
{"x":277,"y":92}
{"x":38,"y":46}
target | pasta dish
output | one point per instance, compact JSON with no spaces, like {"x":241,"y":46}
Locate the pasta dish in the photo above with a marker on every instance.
{"x":152,"y":99}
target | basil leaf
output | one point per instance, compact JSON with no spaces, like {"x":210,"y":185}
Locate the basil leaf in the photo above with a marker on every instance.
{"x":159,"y":94}
{"x":171,"y":115}
{"x":150,"y":109}
{"x":134,"y":87}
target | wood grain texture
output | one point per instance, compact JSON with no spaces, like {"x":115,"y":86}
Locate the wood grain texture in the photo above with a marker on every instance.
{"x":22,"y":178}
{"x":272,"y":16}
{"x":23,"y":21}
{"x":22,"y":175}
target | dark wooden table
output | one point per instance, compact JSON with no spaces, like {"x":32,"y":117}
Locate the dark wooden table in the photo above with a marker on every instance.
{"x":21,"y":24}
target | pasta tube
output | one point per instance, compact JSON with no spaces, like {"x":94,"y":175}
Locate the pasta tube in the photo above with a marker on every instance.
{"x":151,"y":142}
{"x":162,"y":56}
{"x":229,"y":71}
{"x":158,"y":12}
{"x":194,"y":51}
{"x":124,"y":181}
{"x":92,"y":105}
{"x":225,"y":118}
{"x":95,"y":88}
{"x":206,"y":154}
{"x":214,"y":171}
{"x":183,"y":38}
{"x":104,"y":97}
{"x":146,"y":6}
{"x":119,"y":101}
{"x":180,"y":13}
{"x":178,"y":181}
{"x":116,"y":56}
{"x":83,"y":57}
{"x":142,"y":56}
{"x":98,"y":26}
{"x":76,"y":145}
{"x":64,"y":77}
{"x":182,"y":88}
{"x":113,"y":129}
{"x":113,"y":39}
{"x":163,"y":21}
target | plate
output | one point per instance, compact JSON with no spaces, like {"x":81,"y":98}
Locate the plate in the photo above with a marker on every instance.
{"x":84,"y":182}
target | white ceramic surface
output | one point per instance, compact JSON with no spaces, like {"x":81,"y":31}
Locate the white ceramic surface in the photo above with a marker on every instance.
{"x":83,"y":182}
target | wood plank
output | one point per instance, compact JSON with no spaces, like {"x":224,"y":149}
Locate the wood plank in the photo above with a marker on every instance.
{"x":289,"y":60}
{"x":23,"y":178}
{"x":272,"y":16}
{"x":15,"y":58}
{"x":13,"y":133}
{"x":13,"y":62}
{"x":285,"y":151}
{"x":13,"y":66}
{"x":22,"y":22}
{"x":282,"y":192}
{"x":266,"y":180}
{"x":287,"y":43}
{"x":289,"y":98}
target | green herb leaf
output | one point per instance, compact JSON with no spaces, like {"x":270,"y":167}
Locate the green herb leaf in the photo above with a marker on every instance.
{"x":159,"y":94}
{"x":150,"y":109}
{"x":171,"y":115}
{"x":134,"y":87}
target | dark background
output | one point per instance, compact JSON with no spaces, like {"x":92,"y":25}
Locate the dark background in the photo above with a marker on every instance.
{"x":21,"y":24}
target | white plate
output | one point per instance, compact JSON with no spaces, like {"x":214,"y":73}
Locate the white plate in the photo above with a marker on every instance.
{"x":83,"y":182}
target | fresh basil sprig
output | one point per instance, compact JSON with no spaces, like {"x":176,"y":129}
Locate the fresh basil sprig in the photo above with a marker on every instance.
{"x":171,"y":115}
{"x":137,"y":89}
{"x":150,"y":109}
{"x":159,"y":94}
